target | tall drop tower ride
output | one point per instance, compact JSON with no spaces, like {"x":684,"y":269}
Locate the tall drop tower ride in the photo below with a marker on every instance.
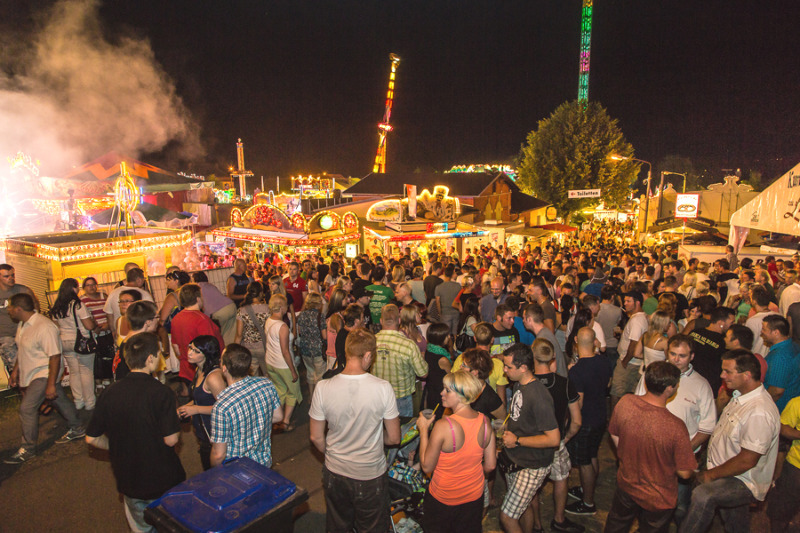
{"x":384,"y":127}
{"x":586,"y":46}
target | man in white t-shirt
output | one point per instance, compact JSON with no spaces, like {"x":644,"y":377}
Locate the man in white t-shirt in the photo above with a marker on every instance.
{"x":134,"y":280}
{"x":759,"y":299}
{"x":626,"y":373}
{"x":361,"y":415}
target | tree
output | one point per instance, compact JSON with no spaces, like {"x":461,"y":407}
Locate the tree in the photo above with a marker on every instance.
{"x":571,"y":149}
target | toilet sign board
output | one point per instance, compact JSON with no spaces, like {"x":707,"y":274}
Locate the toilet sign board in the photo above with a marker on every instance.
{"x":584,"y":193}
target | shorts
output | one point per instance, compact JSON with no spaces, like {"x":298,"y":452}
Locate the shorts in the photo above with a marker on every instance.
{"x":560,"y":467}
{"x":288,"y":390}
{"x":625,"y":380}
{"x":784,"y":444}
{"x":522,"y":487}
{"x":584,"y":446}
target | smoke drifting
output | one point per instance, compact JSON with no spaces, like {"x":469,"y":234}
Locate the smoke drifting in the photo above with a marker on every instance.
{"x":74,"y":96}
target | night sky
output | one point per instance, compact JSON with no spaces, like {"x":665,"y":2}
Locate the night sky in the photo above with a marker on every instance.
{"x":303,"y":82}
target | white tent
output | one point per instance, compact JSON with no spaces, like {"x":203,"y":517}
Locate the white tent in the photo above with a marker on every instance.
{"x":776,"y":209}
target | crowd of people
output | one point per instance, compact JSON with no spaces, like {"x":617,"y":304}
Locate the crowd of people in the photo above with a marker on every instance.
{"x":520,"y":363}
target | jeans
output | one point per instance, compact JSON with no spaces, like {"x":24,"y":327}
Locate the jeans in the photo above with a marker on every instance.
{"x":684,"y":499}
{"x":315,"y":367}
{"x":405,"y":406}
{"x":728,"y":494}
{"x":32,"y":398}
{"x":81,"y":379}
{"x":624,"y":510}
{"x":134,"y":512}
{"x":357,"y":505}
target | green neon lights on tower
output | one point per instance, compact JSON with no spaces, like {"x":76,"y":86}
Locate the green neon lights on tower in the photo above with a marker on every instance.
{"x":586,"y":45}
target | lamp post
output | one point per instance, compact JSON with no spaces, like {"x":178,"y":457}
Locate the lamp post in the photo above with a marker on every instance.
{"x":665,"y":172}
{"x":647,"y":194}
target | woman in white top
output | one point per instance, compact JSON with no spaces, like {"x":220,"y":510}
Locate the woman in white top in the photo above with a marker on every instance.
{"x":688,"y":286}
{"x":71,"y":316}
{"x":654,"y":341}
{"x":280,"y":366}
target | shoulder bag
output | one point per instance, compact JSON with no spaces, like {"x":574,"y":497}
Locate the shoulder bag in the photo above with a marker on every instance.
{"x":83,"y":345}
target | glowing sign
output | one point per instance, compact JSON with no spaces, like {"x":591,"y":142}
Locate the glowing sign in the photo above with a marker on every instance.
{"x":24,"y":161}
{"x":437,"y":206}
{"x":326,"y":222}
{"x":686,"y":205}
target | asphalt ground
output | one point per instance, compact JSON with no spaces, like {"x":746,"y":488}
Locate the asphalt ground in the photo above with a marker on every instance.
{"x":70,"y":487}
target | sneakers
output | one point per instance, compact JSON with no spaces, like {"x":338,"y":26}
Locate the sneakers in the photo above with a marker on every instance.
{"x":567,"y":526}
{"x":576,"y":492}
{"x":20,"y":457}
{"x":579,"y":507}
{"x":72,"y":434}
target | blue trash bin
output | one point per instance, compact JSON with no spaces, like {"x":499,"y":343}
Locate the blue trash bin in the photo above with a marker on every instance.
{"x":240,"y":495}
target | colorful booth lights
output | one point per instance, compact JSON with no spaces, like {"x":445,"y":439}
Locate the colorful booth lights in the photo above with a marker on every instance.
{"x":299,"y":221}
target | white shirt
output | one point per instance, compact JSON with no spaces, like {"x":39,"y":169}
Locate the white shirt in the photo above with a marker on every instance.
{"x":354,"y":407}
{"x":598,"y":331}
{"x":37,"y":340}
{"x":693,"y":402}
{"x":790,"y":295}
{"x":749,"y":421}
{"x":755,"y":323}
{"x":633,"y":331}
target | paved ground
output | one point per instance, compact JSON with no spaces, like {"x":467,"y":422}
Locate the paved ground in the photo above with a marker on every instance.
{"x":70,"y":488}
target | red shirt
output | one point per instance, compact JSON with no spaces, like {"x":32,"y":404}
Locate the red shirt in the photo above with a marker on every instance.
{"x":296,"y":288}
{"x":186,"y":326}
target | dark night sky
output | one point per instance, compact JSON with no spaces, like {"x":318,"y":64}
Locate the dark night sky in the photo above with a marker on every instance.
{"x":303,"y":81}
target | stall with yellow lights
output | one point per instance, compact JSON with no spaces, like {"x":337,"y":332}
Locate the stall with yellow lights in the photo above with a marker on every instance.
{"x":43,"y":261}
{"x":424,"y":223}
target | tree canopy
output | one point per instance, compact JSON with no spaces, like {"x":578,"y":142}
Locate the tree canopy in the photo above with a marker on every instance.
{"x":571,"y":149}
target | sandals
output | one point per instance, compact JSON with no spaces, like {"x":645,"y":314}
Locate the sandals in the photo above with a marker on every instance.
{"x":282,"y":427}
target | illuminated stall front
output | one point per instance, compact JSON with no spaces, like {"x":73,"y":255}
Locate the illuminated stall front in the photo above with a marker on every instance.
{"x":43,"y":261}
{"x":425,"y":222}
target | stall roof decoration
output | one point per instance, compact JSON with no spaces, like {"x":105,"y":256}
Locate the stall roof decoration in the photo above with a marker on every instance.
{"x":81,"y":245}
{"x":460,"y":184}
{"x":103,"y":171}
{"x":279,"y":238}
{"x":563,"y":228}
{"x":264,"y":216}
{"x":436,"y":206}
{"x":461,"y":230}
{"x":83,"y":206}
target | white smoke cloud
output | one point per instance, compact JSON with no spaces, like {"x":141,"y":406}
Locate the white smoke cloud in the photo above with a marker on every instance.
{"x":75,"y":96}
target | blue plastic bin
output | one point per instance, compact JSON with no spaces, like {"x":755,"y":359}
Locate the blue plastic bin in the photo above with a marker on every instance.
{"x":238,"y":496}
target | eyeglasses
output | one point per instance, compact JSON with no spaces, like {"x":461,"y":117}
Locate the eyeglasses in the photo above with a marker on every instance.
{"x":125,"y":302}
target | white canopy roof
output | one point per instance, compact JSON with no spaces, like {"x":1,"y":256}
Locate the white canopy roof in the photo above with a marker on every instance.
{"x":776,"y":209}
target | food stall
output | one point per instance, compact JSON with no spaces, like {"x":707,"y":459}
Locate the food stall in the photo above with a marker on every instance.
{"x":43,"y":261}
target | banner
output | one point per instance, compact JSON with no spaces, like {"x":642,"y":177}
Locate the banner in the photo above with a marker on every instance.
{"x":411,"y":194}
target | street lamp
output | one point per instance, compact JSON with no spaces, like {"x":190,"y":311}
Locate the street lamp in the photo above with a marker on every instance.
{"x":649,"y":173}
{"x":661,"y":187}
{"x":665,"y":172}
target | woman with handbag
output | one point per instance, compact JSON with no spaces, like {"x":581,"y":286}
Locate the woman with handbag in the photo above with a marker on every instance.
{"x":470,"y":315}
{"x":75,"y":322}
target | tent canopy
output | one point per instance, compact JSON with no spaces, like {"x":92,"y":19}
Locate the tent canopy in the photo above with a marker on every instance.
{"x":103,"y":172}
{"x":776,"y":209}
{"x":150,"y":212}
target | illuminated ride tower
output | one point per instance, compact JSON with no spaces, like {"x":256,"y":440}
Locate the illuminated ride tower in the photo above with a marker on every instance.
{"x":586,"y":46}
{"x":241,"y":172}
{"x":384,"y":127}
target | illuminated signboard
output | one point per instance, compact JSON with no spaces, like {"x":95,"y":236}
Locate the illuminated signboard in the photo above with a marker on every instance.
{"x":686,"y":205}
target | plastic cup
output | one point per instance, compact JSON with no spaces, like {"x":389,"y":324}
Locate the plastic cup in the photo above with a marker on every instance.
{"x":427,"y":413}
{"x":498,"y":426}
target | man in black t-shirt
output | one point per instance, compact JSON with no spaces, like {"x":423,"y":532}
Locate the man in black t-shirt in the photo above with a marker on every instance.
{"x":503,"y":330}
{"x":568,"y":416}
{"x":531,"y":437}
{"x":136,"y":420}
{"x":431,"y":281}
{"x":710,"y":345}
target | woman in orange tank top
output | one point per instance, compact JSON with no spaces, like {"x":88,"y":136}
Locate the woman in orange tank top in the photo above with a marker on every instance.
{"x":458,"y":452}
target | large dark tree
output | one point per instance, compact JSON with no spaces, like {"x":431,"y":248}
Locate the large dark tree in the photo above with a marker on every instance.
{"x":572,"y":149}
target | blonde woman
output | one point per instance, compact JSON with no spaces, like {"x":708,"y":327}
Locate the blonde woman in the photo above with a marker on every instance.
{"x":280,"y":365}
{"x":409,"y":325}
{"x":688,"y":288}
{"x":398,"y":276}
{"x":654,"y":341}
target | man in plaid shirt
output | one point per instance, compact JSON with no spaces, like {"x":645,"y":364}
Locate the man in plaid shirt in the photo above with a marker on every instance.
{"x":241,"y":420}
{"x":398,"y":360}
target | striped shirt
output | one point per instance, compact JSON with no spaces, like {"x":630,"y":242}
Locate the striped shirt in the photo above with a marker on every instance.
{"x":242,"y":419}
{"x":398,"y":360}
{"x":95,"y":306}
